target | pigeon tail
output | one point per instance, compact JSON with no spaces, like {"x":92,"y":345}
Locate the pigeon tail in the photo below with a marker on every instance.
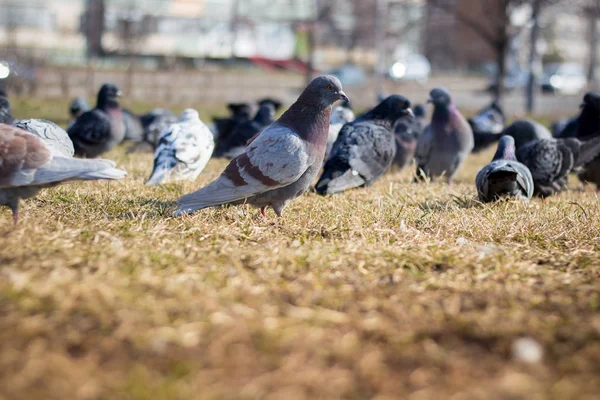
{"x":588,"y":151}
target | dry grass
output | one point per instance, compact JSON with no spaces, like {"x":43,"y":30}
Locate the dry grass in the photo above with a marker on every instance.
{"x":394,"y":291}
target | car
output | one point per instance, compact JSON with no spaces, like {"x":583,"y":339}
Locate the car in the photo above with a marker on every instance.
{"x":349,"y":75}
{"x":564,"y":78}
{"x":415,"y":67}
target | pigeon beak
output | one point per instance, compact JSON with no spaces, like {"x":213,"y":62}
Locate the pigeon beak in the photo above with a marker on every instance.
{"x":410,"y":112}
{"x":342,"y":96}
{"x":119,"y":93}
{"x":430,"y":100}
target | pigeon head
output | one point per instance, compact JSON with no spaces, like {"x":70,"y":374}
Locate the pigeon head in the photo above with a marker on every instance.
{"x":189,"y":114}
{"x":592,"y":100}
{"x":589,"y":119}
{"x":78,"y":107}
{"x":322,"y":92}
{"x":341,"y":115}
{"x":240,"y":110}
{"x":440,"y":97}
{"x":419,"y":111}
{"x":108,"y":95}
{"x":506,"y":149}
{"x":265,"y":114}
{"x":268,"y":100}
{"x":391,"y":109}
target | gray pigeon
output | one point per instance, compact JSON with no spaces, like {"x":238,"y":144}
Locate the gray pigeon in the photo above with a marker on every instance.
{"x":487,"y":126}
{"x":364,"y":149}
{"x":78,"y":106}
{"x":28,"y":165}
{"x":446,"y":142}
{"x":56,"y":138}
{"x":504,"y":176}
{"x":183,"y":150}
{"x":6,"y":116}
{"x":551,"y":160}
{"x":282,"y":162}
{"x":99,"y":130}
{"x":340,"y":116}
{"x":408,"y":130}
{"x":525,"y":131}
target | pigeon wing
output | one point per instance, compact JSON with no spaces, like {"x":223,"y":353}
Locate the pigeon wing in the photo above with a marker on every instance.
{"x":276,"y":158}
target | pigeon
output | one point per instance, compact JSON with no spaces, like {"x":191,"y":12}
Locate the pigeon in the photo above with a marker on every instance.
{"x":407,"y":132}
{"x":564,"y":127}
{"x":28,"y":164}
{"x":487,"y":126}
{"x":420,"y":113}
{"x":446,"y":141}
{"x":340,"y":116}
{"x":269,"y":100}
{"x":154,"y":122}
{"x":364,"y":149}
{"x":5,"y":109}
{"x":551,"y":160}
{"x":525,"y":131}
{"x":504,"y":176}
{"x":56,"y":138}
{"x":282,"y":162}
{"x":134,"y":131}
{"x":237,"y":141}
{"x":183,"y":151}
{"x":240,"y":112}
{"x":78,"y":106}
{"x":99,"y":130}
{"x":588,"y":126}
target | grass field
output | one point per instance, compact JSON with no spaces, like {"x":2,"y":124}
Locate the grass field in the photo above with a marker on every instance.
{"x":394,"y":291}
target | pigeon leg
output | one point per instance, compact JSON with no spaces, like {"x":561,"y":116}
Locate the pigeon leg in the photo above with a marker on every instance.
{"x":14,"y":206}
{"x":263,"y":211}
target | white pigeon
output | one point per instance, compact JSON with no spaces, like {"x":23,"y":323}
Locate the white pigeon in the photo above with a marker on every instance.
{"x":184,"y":149}
{"x":28,"y":164}
{"x":340,"y":116}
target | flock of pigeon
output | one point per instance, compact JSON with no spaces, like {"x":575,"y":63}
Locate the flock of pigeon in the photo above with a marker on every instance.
{"x":275,"y":161}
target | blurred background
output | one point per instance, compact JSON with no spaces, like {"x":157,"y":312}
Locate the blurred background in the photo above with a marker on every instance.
{"x":533,"y":56}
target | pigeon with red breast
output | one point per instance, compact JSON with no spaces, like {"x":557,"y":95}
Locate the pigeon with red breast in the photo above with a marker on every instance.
{"x":282,"y":162}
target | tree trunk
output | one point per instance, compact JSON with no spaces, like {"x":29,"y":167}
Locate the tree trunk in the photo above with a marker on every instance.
{"x":593,"y":16}
{"x":533,"y":57}
{"x":501,"y":71}
{"x":311,"y":52}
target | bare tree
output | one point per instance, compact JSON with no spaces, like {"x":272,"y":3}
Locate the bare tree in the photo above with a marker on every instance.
{"x":93,"y":27}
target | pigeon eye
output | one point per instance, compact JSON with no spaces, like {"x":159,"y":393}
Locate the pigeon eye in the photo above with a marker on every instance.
{"x":330,"y":87}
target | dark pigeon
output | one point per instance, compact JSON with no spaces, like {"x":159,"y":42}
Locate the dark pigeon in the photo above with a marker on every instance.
{"x":565,"y":127}
{"x":282,"y":162}
{"x":99,"y":130}
{"x":446,"y":142}
{"x":365,"y":148}
{"x":340,"y":116}
{"x":245,"y":131}
{"x":504,"y":176}
{"x":420,"y":112}
{"x":53,"y":135}
{"x":6,"y":116}
{"x":525,"y":131}
{"x":551,"y":160}
{"x":240,"y":112}
{"x":487,"y":126}
{"x":78,"y":106}
{"x":269,"y":100}
{"x":407,"y":132}
{"x":588,"y":126}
